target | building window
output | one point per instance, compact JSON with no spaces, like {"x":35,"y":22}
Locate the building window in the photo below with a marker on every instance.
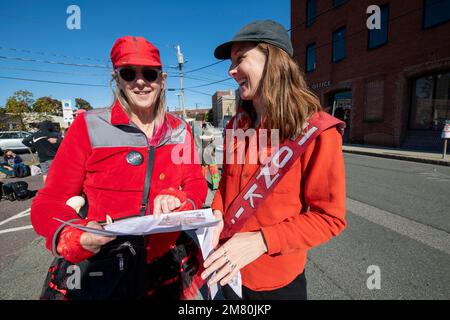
{"x":337,"y":3}
{"x":310,"y":12}
{"x":435,"y":12}
{"x":379,"y":37}
{"x":311,"y":57}
{"x":374,"y":100}
{"x":430,"y":105}
{"x":339,"y":44}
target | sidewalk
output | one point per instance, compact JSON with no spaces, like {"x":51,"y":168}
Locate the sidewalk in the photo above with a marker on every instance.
{"x":399,"y":154}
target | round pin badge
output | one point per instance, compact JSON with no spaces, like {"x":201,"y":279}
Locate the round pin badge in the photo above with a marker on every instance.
{"x":135,"y":158}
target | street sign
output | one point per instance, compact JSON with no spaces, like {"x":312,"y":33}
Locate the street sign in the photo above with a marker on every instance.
{"x":446,"y":131}
{"x":445,"y":135}
{"x":341,"y":103}
{"x":67,"y":111}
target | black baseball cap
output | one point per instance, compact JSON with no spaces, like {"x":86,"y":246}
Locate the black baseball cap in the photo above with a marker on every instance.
{"x":267,"y":31}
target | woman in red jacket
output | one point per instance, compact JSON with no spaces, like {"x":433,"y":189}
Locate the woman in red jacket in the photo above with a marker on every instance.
{"x":307,"y":206}
{"x":125,"y":161}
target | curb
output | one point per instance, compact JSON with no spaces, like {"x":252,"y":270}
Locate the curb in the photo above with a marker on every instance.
{"x":400,"y":157}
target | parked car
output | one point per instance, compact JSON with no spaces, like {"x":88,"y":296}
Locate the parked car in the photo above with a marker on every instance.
{"x":13,"y":140}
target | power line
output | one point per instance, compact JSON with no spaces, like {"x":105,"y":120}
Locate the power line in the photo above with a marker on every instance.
{"x":55,"y":62}
{"x":48,"y":54}
{"x":61,"y":72}
{"x":201,"y":68}
{"x":199,"y":92}
{"x":55,"y":72}
{"x":208,"y":84}
{"x":56,"y":82}
{"x":316,"y":16}
{"x":201,"y":79}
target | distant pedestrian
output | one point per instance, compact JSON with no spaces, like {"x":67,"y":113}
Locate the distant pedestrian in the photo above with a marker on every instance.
{"x":46,"y":141}
{"x":208,"y":154}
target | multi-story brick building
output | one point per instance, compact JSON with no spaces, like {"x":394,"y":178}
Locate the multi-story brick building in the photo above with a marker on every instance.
{"x":392,"y":85}
{"x":224,"y":107}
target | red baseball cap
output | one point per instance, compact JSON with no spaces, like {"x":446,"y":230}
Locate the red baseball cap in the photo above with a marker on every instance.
{"x":136,"y":51}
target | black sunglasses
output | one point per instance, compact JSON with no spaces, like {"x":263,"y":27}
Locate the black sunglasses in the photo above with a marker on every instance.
{"x":129,"y":74}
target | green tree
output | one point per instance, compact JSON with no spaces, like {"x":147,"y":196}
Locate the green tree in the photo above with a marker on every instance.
{"x":19,"y":102}
{"x":209,"y":116}
{"x":82,"y":104}
{"x":14,"y":106}
{"x":25,"y":96}
{"x":49,"y":105}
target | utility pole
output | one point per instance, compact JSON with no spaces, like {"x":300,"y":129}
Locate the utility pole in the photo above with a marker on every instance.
{"x":180,"y":68}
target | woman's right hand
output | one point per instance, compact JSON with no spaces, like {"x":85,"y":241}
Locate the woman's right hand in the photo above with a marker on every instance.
{"x":76,"y":245}
{"x":93,"y":242}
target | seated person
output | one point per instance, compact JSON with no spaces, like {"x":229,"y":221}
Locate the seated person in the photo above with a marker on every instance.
{"x":13,"y":165}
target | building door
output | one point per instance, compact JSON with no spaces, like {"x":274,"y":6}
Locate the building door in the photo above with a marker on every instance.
{"x":340,"y":106}
{"x":430,"y":108}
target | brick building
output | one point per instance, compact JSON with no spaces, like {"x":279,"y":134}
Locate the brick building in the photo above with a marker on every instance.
{"x":223,"y":106}
{"x":391,"y":85}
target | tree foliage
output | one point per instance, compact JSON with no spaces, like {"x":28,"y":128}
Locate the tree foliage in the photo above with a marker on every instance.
{"x":49,"y":105}
{"x":19,"y":102}
{"x":82,"y":104}
{"x":209,"y":116}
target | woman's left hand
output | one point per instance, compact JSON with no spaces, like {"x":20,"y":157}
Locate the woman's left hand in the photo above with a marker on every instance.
{"x":165,"y":204}
{"x":170,"y":200}
{"x":236,"y":253}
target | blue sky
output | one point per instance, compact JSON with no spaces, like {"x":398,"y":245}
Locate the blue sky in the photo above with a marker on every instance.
{"x":198,"y":26}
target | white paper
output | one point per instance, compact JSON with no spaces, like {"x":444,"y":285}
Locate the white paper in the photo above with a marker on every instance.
{"x":205,"y":239}
{"x":236,"y":284}
{"x":170,"y":222}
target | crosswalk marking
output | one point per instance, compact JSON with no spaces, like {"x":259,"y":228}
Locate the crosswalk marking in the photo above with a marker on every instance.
{"x":430,"y":236}
{"x":16,"y":216}
{"x":16,"y":229}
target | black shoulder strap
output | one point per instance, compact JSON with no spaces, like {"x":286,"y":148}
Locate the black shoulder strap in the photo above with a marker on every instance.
{"x":148,"y":180}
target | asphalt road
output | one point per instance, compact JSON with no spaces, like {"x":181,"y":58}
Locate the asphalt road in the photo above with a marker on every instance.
{"x":398,"y":225}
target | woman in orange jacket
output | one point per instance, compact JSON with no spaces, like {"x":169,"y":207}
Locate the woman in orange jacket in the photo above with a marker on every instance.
{"x":307,"y":206}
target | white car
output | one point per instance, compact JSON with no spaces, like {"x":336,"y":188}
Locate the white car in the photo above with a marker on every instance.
{"x":13,"y":140}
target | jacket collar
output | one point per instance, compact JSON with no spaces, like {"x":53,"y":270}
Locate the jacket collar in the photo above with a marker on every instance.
{"x":119,"y":116}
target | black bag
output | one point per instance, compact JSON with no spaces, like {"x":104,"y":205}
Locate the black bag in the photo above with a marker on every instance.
{"x":16,"y":191}
{"x":118,"y":271}
{"x":176,"y":274}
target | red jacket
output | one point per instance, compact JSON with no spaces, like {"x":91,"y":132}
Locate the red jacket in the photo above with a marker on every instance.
{"x":306,"y":209}
{"x":93,"y":160}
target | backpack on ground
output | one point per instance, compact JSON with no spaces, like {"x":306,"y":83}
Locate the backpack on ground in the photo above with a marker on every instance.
{"x":16,"y":191}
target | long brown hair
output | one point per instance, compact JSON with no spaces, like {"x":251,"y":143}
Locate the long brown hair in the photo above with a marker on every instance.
{"x":284,"y":93}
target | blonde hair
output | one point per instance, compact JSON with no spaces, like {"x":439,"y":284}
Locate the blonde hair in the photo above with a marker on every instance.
{"x":158,"y":113}
{"x":284,"y":93}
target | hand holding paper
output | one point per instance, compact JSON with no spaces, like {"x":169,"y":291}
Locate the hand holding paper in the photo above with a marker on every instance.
{"x":143,"y":225}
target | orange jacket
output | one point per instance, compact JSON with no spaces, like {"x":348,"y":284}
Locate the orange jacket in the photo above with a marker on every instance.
{"x":304,"y":210}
